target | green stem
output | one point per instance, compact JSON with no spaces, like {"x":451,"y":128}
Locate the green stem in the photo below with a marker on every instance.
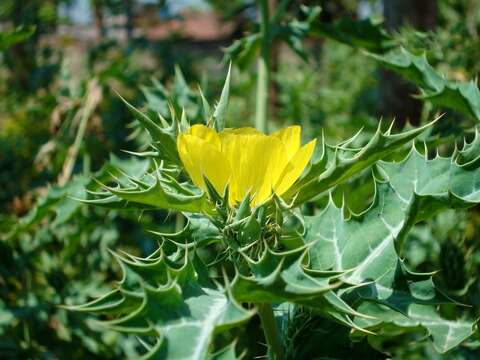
{"x":265,"y":311}
{"x":270,"y":330}
{"x":263,"y":69}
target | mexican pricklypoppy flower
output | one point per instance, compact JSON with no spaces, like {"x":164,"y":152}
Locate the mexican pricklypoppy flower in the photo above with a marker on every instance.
{"x":245,"y":159}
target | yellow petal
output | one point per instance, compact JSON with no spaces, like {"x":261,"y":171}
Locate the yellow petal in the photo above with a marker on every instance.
{"x":242,"y":131}
{"x":272,"y":160}
{"x":297,"y":165}
{"x":193,"y":170}
{"x":206,"y":133}
{"x":200,"y":159}
{"x":246,"y":159}
{"x":256,"y":160}
{"x":290,"y":136}
{"x":228,"y":134}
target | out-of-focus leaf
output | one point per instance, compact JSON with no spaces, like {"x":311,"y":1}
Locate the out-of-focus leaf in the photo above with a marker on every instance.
{"x":365,"y":34}
{"x":10,"y":38}
{"x":460,"y":96}
{"x":243,"y":51}
{"x":61,"y":200}
{"x":295,"y":31}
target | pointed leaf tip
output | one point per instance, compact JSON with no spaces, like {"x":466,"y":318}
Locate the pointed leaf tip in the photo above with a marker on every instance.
{"x":220,"y":112}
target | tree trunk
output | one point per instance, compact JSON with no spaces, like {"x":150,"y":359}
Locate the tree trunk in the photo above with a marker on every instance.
{"x":396,"y":94}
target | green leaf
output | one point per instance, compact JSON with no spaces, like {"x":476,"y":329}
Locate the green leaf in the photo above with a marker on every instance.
{"x":156,"y":190}
{"x":339,"y":163}
{"x":227,"y":353}
{"x":10,"y":38}
{"x":295,"y":31}
{"x":198,"y":232}
{"x":207,"y":112}
{"x":157,"y":98}
{"x":463,"y":97}
{"x":365,"y":34}
{"x":56,"y":201}
{"x":413,"y":190}
{"x":243,"y":51}
{"x":365,"y":245}
{"x":279,"y":277}
{"x":303,"y":330}
{"x":161,"y":297}
{"x":163,"y":137}
{"x":470,"y":151}
{"x":63,"y":200}
{"x":220,"y":112}
{"x":445,"y":334}
{"x":433,"y":185}
{"x":460,"y":96}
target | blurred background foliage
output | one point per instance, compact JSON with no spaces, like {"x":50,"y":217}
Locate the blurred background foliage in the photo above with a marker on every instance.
{"x":335,"y":70}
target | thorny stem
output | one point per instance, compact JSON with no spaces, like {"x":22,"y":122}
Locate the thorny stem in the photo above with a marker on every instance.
{"x":270,"y":330}
{"x":265,"y":310}
{"x":263,"y":69}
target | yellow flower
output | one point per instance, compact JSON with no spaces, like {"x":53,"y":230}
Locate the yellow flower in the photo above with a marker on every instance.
{"x":245,"y":159}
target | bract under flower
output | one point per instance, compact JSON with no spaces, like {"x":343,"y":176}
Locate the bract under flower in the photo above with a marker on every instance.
{"x":245,"y":159}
